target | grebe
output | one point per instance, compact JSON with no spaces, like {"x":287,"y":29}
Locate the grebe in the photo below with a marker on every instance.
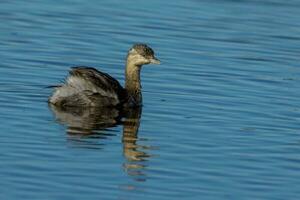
{"x":88,"y":87}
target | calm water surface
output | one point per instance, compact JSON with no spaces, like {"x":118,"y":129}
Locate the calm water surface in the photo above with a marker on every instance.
{"x":221,"y":116}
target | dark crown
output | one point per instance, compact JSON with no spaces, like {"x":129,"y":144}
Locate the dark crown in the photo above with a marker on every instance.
{"x":143,"y":50}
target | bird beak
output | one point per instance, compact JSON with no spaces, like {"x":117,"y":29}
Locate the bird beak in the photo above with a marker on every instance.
{"x":154,"y":61}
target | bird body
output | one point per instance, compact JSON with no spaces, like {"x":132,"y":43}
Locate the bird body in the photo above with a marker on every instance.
{"x":88,"y":87}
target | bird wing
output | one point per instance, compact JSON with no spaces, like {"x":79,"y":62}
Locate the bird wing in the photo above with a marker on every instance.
{"x":86,"y":86}
{"x":90,"y":79}
{"x":95,"y":83}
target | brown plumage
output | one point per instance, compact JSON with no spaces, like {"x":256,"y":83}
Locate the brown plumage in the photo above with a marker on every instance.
{"x":88,"y":87}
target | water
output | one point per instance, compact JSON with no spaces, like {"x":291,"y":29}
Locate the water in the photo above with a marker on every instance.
{"x":220,"y":117}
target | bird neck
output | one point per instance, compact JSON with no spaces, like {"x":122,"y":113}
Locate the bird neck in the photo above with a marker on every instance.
{"x":133,"y":82}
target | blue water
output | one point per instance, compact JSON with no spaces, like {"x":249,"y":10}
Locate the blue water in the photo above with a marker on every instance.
{"x":221,"y":115}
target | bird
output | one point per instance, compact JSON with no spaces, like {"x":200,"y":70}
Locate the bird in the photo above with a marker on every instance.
{"x":88,"y":87}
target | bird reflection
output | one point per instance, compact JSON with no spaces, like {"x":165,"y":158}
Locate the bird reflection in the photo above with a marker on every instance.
{"x":86,"y":121}
{"x":95,"y":122}
{"x":131,"y":149}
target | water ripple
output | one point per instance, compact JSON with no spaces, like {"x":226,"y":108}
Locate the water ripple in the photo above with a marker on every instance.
{"x":220,"y":117}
